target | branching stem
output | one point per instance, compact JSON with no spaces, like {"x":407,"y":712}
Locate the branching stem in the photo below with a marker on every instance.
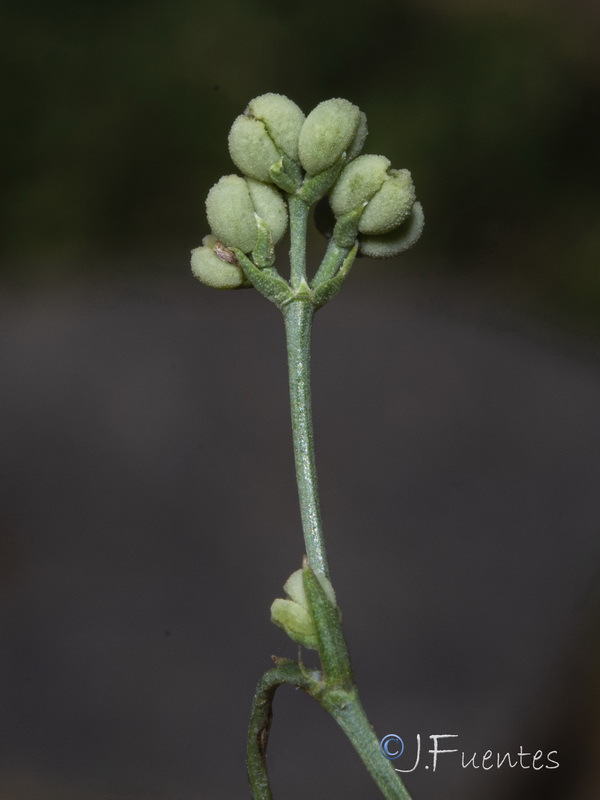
{"x":333,"y":687}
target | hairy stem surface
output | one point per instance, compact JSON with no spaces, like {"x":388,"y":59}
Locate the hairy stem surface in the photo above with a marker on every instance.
{"x":298,"y":322}
{"x":346,"y":709}
{"x":260,"y":724}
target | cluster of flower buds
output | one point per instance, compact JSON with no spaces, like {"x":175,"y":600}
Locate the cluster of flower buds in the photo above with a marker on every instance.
{"x":283,"y":155}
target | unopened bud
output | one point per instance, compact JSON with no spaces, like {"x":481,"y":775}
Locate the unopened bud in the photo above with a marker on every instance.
{"x":231,"y":206}
{"x":356,"y":145}
{"x":330,"y":130}
{"x":266,"y":131}
{"x":293,"y":615}
{"x":358,"y":182}
{"x":389,"y":194}
{"x":251,"y":148}
{"x":397,"y":241}
{"x":282,"y":118}
{"x":216,"y":266}
{"x":390,"y":206}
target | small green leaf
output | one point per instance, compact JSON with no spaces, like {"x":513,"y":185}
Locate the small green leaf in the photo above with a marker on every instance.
{"x":316,"y":186}
{"x":326,"y":616}
{"x":268,"y":281}
{"x":346,"y":228}
{"x":263,"y":254}
{"x":328,"y":289}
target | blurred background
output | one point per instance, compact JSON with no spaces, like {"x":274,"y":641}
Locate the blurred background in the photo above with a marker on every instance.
{"x":148,"y":514}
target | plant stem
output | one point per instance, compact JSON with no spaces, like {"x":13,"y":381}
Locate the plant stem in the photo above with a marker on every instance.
{"x":334,"y":687}
{"x":345,"y":707}
{"x":334,"y":256}
{"x":339,"y":697}
{"x":260,"y":723}
{"x":298,"y":211}
{"x":298,"y":315}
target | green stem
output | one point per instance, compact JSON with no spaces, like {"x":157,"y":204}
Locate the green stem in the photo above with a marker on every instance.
{"x":336,"y":692}
{"x":343,"y":705}
{"x":334,"y":688}
{"x":332,"y":261}
{"x":260,"y":723}
{"x":346,"y":709}
{"x":298,"y":316}
{"x":298,"y":211}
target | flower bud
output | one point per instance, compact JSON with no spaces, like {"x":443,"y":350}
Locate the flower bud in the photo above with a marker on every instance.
{"x":389,"y":194}
{"x":295,"y":621}
{"x":251,"y":148}
{"x":293,"y":615}
{"x":397,"y":241}
{"x":282,"y":118}
{"x":332,"y":128}
{"x":216,"y":266}
{"x":231,"y":205}
{"x":357,"y":143}
{"x":390,"y":206}
{"x":268,"y":128}
{"x":358,"y":182}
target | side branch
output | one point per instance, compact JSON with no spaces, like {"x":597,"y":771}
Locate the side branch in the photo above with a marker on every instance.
{"x":260,"y":722}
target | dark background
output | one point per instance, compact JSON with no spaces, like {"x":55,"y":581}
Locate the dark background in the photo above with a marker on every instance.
{"x":148,"y":514}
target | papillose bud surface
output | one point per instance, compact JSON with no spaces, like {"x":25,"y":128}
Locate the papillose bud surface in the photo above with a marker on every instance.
{"x":397,"y":241}
{"x":282,"y":118}
{"x":330,"y":130}
{"x":358,"y":182}
{"x":269,"y":127}
{"x":389,"y":194}
{"x":214,"y":266}
{"x":231,"y":205}
{"x":251,"y":148}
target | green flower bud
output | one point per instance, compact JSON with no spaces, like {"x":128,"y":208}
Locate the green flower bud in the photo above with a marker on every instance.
{"x":359,"y":139}
{"x":269,"y":128}
{"x":270,"y":207}
{"x":251,"y":148}
{"x":216,"y":266}
{"x":389,"y":194}
{"x":390,"y":206}
{"x":295,"y":621}
{"x":231,"y":206}
{"x":397,"y":241}
{"x":293,"y":615}
{"x":332,"y":128}
{"x":358,"y":183}
{"x":282,"y":118}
